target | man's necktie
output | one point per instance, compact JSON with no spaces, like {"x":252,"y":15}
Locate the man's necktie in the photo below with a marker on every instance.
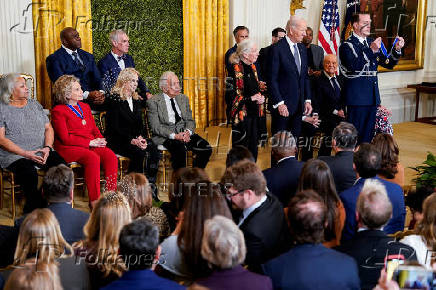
{"x":365,"y":44}
{"x":336,"y":87}
{"x":78,"y":61}
{"x":176,"y":114}
{"x":297,"y":58}
{"x":119,"y":58}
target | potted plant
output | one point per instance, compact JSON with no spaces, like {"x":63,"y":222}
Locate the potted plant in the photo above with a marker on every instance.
{"x":426,"y":173}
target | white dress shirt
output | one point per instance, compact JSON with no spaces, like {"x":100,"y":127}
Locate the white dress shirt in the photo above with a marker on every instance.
{"x":335,"y":112}
{"x":247,"y":211}
{"x":120,"y":62}
{"x":171,"y":115}
{"x":130,"y":102}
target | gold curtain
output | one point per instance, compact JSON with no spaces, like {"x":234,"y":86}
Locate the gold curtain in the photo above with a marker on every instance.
{"x":206,"y":40}
{"x":49,"y":18}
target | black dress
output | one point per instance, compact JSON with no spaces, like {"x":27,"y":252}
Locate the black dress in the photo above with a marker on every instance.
{"x":123,"y":125}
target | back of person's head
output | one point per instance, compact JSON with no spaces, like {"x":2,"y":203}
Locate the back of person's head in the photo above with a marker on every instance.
{"x":276,"y":31}
{"x":389,"y":151}
{"x":136,"y":188}
{"x":307,"y":216}
{"x":345,"y":136}
{"x":58,"y":184}
{"x":139,"y":241}
{"x":223,"y":244}
{"x":245,"y":175}
{"x":238,"y":153}
{"x":415,"y":198}
{"x":367,"y":160}
{"x":40,"y":235}
{"x":204,"y":201}
{"x":373,"y":205}
{"x":109,"y":215}
{"x":34,"y":275}
{"x":427,"y":227}
{"x":316,"y":175}
{"x":283,"y":145}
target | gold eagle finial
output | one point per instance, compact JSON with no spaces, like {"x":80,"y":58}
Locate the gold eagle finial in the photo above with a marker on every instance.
{"x":296,"y":4}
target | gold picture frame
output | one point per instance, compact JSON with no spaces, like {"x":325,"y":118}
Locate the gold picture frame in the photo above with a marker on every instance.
{"x":406,"y":18}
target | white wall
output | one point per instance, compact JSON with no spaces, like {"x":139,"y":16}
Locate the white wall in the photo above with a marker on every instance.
{"x":16,"y":45}
{"x":262,"y":16}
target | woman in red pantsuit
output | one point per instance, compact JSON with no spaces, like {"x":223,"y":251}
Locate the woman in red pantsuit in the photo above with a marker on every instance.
{"x":77,"y":138}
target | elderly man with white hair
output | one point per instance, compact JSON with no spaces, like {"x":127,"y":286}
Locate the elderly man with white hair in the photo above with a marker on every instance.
{"x":116,"y":60}
{"x":289,"y":86}
{"x":171,"y":124}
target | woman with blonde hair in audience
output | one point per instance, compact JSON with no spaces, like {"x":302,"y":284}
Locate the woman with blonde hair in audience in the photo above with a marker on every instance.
{"x":424,"y":241}
{"x":223,"y":247}
{"x":40,"y":238}
{"x":100,"y":247}
{"x":183,"y":248}
{"x":138,"y":192}
{"x":391,"y":169}
{"x":35,"y":275}
{"x":78,"y":139}
{"x":316,"y":175}
{"x":26,"y":138}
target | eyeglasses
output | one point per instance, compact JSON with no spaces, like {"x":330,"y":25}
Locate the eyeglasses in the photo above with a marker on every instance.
{"x":230,"y":195}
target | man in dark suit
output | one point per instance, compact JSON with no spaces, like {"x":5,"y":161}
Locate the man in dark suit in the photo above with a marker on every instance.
{"x":139,"y":247}
{"x":289,"y":86}
{"x":310,"y":265}
{"x":172,"y":125}
{"x":264,"y":59}
{"x":370,"y":247}
{"x":239,"y":33}
{"x":282,"y":179}
{"x":115,"y":61}
{"x":367,"y":161}
{"x":315,"y":54}
{"x":360,"y":56}
{"x":71,"y":60}
{"x":262,"y":219}
{"x":344,"y":140}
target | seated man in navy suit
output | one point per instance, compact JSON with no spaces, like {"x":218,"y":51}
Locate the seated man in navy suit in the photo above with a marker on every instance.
{"x":71,"y":60}
{"x":282,"y":179}
{"x":310,"y":265}
{"x":367,"y":161}
{"x":139,"y":248}
{"x":115,"y":61}
{"x":370,"y":246}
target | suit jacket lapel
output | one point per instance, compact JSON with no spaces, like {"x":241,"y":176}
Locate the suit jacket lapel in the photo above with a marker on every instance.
{"x":126,"y":109}
{"x":163,"y":108}
{"x":290,"y":55}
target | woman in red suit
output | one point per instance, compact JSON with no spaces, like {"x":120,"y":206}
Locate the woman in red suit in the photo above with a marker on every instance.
{"x":77,"y":138}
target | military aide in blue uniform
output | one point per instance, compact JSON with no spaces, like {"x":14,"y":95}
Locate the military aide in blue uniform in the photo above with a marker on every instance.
{"x":360,"y":57}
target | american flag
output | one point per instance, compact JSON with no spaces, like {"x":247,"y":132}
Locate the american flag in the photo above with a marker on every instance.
{"x":328,"y":35}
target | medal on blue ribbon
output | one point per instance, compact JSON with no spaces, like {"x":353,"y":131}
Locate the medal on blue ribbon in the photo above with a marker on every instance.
{"x":385,"y":52}
{"x":80,"y":115}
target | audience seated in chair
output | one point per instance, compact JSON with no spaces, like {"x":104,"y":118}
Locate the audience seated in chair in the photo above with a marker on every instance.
{"x":172,"y":125}
{"x":138,"y":192}
{"x":260,"y":217}
{"x":115,"y":61}
{"x":71,"y":60}
{"x":139,"y":247}
{"x":223,"y":246}
{"x":310,"y":265}
{"x":126,"y":132}
{"x":282,"y":179}
{"x":99,"y":249}
{"x":33,"y":275}
{"x":40,"y":238}
{"x":78,"y":139}
{"x":424,"y":240}
{"x":182,"y":250}
{"x":390,"y":169}
{"x":344,"y":140}
{"x":26,"y":138}
{"x":367,"y":161}
{"x":238,"y":153}
{"x":370,"y":246}
{"x":316,"y":175}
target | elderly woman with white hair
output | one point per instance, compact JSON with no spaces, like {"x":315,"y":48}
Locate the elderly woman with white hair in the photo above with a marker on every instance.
{"x":223,"y":247}
{"x":26,"y":138}
{"x":247,"y":102}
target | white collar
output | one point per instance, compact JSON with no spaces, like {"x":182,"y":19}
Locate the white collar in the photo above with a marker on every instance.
{"x":166,"y":97}
{"x":247,"y":211}
{"x":115,"y":55}
{"x":284,"y":158}
{"x":69,"y":51}
{"x":327,"y":75}
{"x":291,"y":43}
{"x":361,"y":39}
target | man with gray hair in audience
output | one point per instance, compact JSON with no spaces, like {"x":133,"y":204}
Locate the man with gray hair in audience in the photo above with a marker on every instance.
{"x":344,"y":140}
{"x":172,"y":126}
{"x":282,"y":179}
{"x":116,"y":60}
{"x":371,"y":247}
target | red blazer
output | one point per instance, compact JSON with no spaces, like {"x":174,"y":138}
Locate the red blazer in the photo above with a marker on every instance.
{"x":69,"y":130}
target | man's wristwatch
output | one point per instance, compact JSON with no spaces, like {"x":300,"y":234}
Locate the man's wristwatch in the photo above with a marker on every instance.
{"x":49,"y":147}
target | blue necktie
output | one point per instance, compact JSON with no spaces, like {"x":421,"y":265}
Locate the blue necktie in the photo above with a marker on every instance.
{"x":297,"y":58}
{"x":78,"y":61}
{"x":336,"y":87}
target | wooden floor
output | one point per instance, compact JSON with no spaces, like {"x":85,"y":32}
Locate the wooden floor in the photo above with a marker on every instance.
{"x":414,"y":140}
